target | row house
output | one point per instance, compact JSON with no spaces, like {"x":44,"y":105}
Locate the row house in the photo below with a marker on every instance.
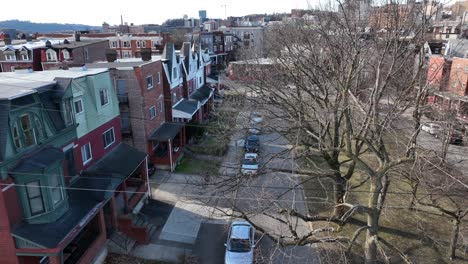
{"x":130,"y":46}
{"x":67,"y":180}
{"x":51,"y":54}
{"x":448,"y":78}
{"x":143,"y":106}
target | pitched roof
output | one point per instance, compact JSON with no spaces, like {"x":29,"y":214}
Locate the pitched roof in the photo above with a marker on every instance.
{"x":202,"y":93}
{"x":185,"y":106}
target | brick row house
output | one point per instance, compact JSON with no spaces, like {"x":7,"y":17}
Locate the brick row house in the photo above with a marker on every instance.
{"x":157,"y":96}
{"x":448,"y":78}
{"x":67,"y":181}
{"x":52,"y":54}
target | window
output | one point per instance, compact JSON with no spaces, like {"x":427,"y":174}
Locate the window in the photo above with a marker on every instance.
{"x":16,"y":136}
{"x":24,"y":56}
{"x":161,"y":106}
{"x":86,"y":54}
{"x":152,"y":112}
{"x":143,"y":44}
{"x":66,"y":54}
{"x":103,"y":96}
{"x":108,"y":137}
{"x":10,"y":57}
{"x":36,"y":204}
{"x":56,"y":190}
{"x":126,"y":44}
{"x":86,"y":154}
{"x":174,"y":73}
{"x":149,"y":82}
{"x":28,"y":131}
{"x":454,"y":84}
{"x":466,"y":69}
{"x":67,"y":110}
{"x":39,"y":129}
{"x":126,"y":53}
{"x":138,"y":44}
{"x":113,"y":44}
{"x":78,"y":106}
{"x":174,"y":98}
{"x":158,"y":78}
{"x":51,"y":55}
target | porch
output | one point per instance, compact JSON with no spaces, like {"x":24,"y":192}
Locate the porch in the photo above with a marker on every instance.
{"x":168,"y":142}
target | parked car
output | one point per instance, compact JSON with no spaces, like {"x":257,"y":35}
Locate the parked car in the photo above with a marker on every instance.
{"x":252,"y":144}
{"x":240,"y":243}
{"x":456,"y":138}
{"x":249,"y":164}
{"x":255,"y":131}
{"x":431,"y":128}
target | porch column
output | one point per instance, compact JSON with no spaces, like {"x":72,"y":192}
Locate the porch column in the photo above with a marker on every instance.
{"x":124,"y":193}
{"x":114,"y":213}
{"x":170,"y":154}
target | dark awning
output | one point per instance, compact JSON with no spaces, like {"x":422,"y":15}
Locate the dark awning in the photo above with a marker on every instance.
{"x":166,"y":131}
{"x":39,"y":159}
{"x":185,"y":109}
{"x":202,"y":94}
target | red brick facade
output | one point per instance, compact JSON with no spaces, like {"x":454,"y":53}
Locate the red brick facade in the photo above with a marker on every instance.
{"x":458,"y":77}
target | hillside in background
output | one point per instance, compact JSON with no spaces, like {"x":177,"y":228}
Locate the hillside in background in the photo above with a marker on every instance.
{"x":33,"y":27}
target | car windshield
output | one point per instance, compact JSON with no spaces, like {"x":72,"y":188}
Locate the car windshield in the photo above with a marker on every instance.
{"x":252,"y":142}
{"x":249,"y":162}
{"x":239,"y":245}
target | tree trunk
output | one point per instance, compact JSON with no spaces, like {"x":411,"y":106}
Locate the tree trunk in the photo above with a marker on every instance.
{"x":340,"y":191}
{"x":454,"y":240}
{"x":370,"y":247}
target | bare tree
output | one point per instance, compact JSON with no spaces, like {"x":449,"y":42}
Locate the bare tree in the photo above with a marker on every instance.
{"x":340,"y":87}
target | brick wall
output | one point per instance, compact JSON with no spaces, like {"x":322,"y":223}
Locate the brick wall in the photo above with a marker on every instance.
{"x":97,"y":245}
{"x":7,"y":244}
{"x":458,"y":77}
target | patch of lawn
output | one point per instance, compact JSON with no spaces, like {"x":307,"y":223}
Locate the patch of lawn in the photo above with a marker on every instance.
{"x":190,"y":165}
{"x":214,"y":146}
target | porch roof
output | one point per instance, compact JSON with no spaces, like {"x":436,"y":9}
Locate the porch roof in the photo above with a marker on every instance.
{"x":166,"y":131}
{"x":185,"y":109}
{"x":202,"y":94}
{"x":82,"y":209}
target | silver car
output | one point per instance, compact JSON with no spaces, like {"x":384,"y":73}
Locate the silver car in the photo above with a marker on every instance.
{"x":240,"y":243}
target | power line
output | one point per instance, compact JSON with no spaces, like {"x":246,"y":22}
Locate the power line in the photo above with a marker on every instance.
{"x":239,"y":185}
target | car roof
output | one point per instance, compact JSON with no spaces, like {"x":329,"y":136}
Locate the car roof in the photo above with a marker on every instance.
{"x":240,"y":230}
{"x":253,"y":137}
{"x":250,"y":155}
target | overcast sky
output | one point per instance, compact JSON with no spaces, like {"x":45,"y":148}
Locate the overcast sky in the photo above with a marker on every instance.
{"x":94,"y":12}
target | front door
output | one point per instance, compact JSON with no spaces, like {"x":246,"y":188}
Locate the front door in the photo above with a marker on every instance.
{"x":70,"y":162}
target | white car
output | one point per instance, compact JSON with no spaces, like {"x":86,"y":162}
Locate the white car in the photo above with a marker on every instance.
{"x":249,"y":164}
{"x":431,"y":128}
{"x":240,"y":243}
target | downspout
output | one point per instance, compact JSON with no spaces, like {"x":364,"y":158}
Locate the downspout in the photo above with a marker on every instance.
{"x":170,"y":155}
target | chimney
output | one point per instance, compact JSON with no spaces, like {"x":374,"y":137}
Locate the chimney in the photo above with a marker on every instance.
{"x":77,"y":36}
{"x":111,"y":55}
{"x":145,"y":54}
{"x":48,"y":44}
{"x":65,"y":41}
{"x":7,"y":39}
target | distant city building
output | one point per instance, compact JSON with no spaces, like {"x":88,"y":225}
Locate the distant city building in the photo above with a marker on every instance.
{"x":202,"y":15}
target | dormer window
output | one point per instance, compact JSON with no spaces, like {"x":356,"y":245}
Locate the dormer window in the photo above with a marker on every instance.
{"x":66,"y":54}
{"x":24,"y":54}
{"x":27,"y":130}
{"x":51,"y":55}
{"x":10,"y":56}
{"x":174,"y":73}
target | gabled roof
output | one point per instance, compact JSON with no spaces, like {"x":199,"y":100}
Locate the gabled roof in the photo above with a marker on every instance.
{"x":202,"y":94}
